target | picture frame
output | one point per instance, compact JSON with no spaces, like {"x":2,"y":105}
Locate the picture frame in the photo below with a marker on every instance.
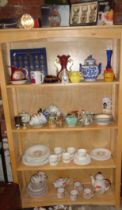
{"x":31,"y":59}
{"x":105,"y":12}
{"x":84,"y":13}
{"x":55,"y":15}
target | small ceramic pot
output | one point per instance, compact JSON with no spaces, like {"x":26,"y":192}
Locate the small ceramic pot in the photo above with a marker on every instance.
{"x":71,"y":120}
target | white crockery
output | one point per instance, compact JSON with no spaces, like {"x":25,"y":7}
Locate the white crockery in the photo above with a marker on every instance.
{"x":66,"y":157}
{"x":53,"y":160}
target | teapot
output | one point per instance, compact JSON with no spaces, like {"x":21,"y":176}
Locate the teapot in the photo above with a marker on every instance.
{"x":90,"y":69}
{"x":99,"y":183}
{"x":75,"y":76}
{"x":18,"y":74}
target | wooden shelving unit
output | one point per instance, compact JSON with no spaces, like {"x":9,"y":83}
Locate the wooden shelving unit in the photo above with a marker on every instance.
{"x":78,"y":42}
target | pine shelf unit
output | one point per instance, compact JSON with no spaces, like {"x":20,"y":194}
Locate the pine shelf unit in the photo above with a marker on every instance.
{"x":79,"y":42}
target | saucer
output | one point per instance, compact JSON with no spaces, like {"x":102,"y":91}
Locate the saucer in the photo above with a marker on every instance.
{"x":86,"y":160}
{"x":19,"y":82}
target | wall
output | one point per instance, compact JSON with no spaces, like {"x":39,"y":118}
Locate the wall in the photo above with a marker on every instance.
{"x":15,"y":8}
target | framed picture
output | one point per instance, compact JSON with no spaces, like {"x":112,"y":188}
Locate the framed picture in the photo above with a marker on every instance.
{"x":31,"y":59}
{"x":55,"y":15}
{"x":105,"y":12}
{"x":85,"y":13}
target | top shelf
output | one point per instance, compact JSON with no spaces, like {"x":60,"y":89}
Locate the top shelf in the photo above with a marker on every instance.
{"x":13,"y":35}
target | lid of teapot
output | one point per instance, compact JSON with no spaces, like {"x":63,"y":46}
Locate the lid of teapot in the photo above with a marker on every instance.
{"x":90,"y":60}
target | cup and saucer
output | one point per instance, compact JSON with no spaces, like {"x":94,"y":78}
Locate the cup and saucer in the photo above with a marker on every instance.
{"x":81,"y":157}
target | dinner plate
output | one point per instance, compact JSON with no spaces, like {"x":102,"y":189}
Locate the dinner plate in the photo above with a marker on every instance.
{"x":100,"y":154}
{"x":37,"y":151}
{"x":19,"y":82}
{"x":36,"y":155}
{"x":35,"y":163}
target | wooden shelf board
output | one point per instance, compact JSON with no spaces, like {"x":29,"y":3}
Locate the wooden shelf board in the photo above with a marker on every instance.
{"x":51,"y":199}
{"x":83,"y":83}
{"x":62,"y":166}
{"x":52,"y":33}
{"x":65,"y":128}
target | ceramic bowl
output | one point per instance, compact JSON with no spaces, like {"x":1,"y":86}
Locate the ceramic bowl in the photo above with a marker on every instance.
{"x":71,"y":121}
{"x":103,"y":119}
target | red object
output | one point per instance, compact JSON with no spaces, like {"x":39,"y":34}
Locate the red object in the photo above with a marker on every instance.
{"x":36,"y":23}
{"x":9,"y":197}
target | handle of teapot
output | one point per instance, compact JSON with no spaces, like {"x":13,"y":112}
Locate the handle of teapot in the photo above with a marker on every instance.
{"x":107,"y":184}
{"x":26,"y":71}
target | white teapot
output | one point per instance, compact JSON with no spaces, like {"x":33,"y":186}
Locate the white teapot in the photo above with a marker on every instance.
{"x":99,"y":183}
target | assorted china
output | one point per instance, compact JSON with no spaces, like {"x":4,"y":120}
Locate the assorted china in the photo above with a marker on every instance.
{"x":53,"y":117}
{"x":39,"y":155}
{"x":65,"y":186}
{"x":89,"y":71}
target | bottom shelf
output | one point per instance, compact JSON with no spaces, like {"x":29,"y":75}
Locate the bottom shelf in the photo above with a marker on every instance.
{"x":50,"y":199}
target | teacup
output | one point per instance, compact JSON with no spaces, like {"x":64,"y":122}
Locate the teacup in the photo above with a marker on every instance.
{"x":87,"y":193}
{"x":58,"y":151}
{"x":60,"y":192}
{"x":53,"y":160}
{"x":81,"y":153}
{"x":73,"y":195}
{"x":71,"y":151}
{"x":66,"y":157}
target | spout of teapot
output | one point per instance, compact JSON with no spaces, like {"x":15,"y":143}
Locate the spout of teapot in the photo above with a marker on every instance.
{"x":99,"y":68}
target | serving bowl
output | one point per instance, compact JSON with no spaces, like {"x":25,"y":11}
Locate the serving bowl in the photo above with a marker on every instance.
{"x":103,"y":119}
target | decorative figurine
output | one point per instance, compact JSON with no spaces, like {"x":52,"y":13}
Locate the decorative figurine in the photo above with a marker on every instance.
{"x":108,"y":73}
{"x":90,"y":69}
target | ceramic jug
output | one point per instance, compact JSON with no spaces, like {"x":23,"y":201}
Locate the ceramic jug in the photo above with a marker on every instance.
{"x":75,"y":76}
{"x":18,"y":74}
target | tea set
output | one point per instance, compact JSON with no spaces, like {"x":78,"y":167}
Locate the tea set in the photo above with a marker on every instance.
{"x":75,"y":188}
{"x":65,"y":186}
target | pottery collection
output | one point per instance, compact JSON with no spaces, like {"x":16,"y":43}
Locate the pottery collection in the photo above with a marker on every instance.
{"x":53,"y":117}
{"x":89,"y":71}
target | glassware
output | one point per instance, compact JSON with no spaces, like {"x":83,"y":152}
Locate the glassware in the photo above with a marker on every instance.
{"x":108,"y":73}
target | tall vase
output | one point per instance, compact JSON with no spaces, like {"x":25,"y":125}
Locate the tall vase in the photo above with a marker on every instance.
{"x":63,"y":74}
{"x":109,"y":56}
{"x":108,"y":73}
